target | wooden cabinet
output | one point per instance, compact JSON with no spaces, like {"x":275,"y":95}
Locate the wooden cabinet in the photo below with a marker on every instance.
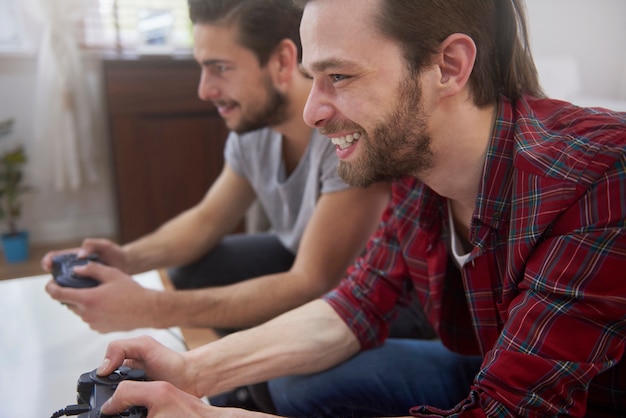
{"x":167,"y":144}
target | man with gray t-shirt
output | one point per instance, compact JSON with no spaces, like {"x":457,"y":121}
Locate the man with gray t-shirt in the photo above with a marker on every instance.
{"x":318,"y":224}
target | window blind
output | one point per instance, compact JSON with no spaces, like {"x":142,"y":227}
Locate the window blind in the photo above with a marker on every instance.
{"x":137,"y":25}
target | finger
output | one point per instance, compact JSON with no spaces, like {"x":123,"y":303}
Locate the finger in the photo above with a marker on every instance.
{"x":52,"y":288}
{"x":128,"y":394}
{"x":159,"y":398}
{"x":65,"y":295}
{"x":94,"y":246}
{"x":98,"y":271}
{"x":134,"y":349}
{"x":46,"y":260}
{"x":83,"y":253}
{"x":95,"y":243}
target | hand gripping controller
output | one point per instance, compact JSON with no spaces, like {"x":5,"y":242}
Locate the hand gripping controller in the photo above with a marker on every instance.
{"x":63,"y":270}
{"x":94,"y":390}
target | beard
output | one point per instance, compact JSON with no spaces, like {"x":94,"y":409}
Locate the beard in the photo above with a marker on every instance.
{"x":398,"y":146}
{"x":271,"y":113}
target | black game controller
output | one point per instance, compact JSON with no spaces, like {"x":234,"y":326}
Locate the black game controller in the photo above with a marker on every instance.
{"x":63,"y":270}
{"x":94,"y":391}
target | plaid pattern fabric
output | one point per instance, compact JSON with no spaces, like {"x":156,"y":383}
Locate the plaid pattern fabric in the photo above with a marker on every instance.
{"x":543,"y":294}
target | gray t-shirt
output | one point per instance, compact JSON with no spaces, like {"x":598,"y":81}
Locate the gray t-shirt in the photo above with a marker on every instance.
{"x":288,"y":202}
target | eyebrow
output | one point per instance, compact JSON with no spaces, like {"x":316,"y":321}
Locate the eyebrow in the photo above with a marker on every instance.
{"x":325,"y":65}
{"x":213,"y":61}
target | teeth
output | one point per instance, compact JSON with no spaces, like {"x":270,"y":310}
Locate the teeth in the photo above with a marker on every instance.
{"x":344,"y":142}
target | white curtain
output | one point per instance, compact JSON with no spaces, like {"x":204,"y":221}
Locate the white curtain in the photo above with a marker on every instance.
{"x":62,"y":155}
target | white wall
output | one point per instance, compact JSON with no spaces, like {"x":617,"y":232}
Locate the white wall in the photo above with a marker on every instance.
{"x":591,"y":33}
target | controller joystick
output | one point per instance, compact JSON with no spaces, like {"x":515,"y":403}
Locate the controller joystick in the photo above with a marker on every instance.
{"x":63,"y":270}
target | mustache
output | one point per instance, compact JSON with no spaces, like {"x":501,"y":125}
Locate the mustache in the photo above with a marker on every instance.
{"x":223,"y":103}
{"x":333,"y":127}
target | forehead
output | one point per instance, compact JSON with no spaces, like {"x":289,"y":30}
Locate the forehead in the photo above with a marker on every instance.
{"x":343,"y":32}
{"x":218,"y":43}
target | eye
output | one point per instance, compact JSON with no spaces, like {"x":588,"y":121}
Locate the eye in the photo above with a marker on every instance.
{"x":219,"y":69}
{"x":338,"y":77}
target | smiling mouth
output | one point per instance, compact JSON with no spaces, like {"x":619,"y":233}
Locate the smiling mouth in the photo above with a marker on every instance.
{"x":347,"y":141}
{"x":224,"y":107}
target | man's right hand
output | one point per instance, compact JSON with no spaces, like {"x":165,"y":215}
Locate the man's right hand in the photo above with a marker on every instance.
{"x":158,"y":361}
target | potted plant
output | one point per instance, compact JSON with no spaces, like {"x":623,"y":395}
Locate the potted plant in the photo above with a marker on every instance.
{"x":14,"y":241}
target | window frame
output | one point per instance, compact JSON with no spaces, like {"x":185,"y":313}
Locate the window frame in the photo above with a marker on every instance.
{"x":114,"y":25}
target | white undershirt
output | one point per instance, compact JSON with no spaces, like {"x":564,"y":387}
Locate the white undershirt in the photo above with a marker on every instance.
{"x":460,"y":256}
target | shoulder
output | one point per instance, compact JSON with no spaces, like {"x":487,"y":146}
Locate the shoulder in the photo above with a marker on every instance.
{"x":567,"y":142}
{"x":260,"y":143}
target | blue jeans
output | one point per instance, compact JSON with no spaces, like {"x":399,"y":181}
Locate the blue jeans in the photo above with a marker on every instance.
{"x":384,"y":381}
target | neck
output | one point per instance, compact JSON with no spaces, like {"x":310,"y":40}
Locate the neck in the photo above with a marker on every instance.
{"x":294,"y":130}
{"x":460,"y":142}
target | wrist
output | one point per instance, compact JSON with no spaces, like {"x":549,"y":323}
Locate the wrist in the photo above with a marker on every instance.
{"x":133,"y":258}
{"x":202,"y":371}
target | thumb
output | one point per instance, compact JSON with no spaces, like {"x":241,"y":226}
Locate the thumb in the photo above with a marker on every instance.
{"x":98,"y":271}
{"x":128,"y":394}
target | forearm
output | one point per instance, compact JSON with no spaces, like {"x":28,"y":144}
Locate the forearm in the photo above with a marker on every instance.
{"x":177,"y":242}
{"x":308,"y":339}
{"x":194,"y":232}
{"x":238,"y":306}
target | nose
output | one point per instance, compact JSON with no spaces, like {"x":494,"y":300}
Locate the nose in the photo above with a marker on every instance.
{"x":318,"y":109}
{"x":208,"y":89}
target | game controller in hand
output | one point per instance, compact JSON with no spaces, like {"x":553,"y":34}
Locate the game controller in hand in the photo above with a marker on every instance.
{"x":94,"y":391}
{"x":63,"y":270}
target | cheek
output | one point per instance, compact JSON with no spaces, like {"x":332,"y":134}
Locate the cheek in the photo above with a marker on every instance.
{"x":240,"y":92}
{"x":249,"y":89}
{"x":362,"y":118}
{"x":354,"y":109}
{"x":367,"y":107}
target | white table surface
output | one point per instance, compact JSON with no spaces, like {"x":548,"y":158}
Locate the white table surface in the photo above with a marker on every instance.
{"x":44,"y":347}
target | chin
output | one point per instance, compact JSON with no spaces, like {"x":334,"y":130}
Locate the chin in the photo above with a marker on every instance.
{"x":354,"y":177}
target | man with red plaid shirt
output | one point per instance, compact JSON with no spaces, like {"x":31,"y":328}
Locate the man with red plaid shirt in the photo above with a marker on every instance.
{"x":507,"y":217}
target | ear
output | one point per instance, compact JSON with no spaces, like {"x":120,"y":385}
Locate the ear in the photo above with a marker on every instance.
{"x":456,"y":62}
{"x":283,"y":62}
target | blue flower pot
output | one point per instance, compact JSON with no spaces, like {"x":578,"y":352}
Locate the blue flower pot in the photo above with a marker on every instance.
{"x":15,"y":247}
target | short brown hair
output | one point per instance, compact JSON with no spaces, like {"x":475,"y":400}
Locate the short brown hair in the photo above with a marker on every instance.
{"x":504,"y":64}
{"x":261,"y":24}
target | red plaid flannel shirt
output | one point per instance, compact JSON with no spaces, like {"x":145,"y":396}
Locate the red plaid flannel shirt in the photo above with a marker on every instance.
{"x":543,"y":295}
